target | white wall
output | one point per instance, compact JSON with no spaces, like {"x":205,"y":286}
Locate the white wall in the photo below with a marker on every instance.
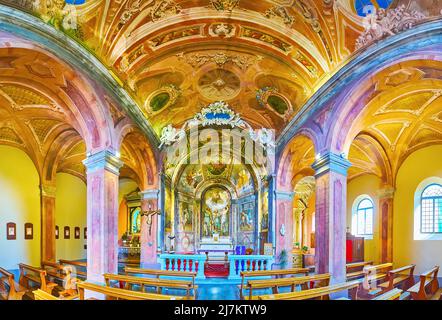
{"x":19,"y":203}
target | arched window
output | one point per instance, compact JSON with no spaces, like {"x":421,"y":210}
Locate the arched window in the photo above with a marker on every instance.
{"x":431,"y":209}
{"x":363,"y":218}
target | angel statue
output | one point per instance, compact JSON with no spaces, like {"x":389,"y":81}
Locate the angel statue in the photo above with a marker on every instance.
{"x":170,"y":135}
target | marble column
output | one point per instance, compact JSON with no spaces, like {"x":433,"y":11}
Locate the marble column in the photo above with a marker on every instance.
{"x":331,"y":192}
{"x":149,"y":231}
{"x":284,"y":225}
{"x":386,"y":195}
{"x":102,"y":170}
{"x":48,"y":245}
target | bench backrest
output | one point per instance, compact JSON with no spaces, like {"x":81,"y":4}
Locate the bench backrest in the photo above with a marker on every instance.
{"x":159,"y":273}
{"x":30,"y":274}
{"x":7,"y":284}
{"x":407,"y":280}
{"x":322,"y":292}
{"x":393,"y":294}
{"x":42,"y":295}
{"x":129,"y":281}
{"x":433,"y":282}
{"x":121,"y":294}
{"x":357,"y":265}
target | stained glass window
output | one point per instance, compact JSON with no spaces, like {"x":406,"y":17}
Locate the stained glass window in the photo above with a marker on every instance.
{"x":431,"y":207}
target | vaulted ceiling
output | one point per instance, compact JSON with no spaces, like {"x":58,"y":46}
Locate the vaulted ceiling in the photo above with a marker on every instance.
{"x":265,"y":58}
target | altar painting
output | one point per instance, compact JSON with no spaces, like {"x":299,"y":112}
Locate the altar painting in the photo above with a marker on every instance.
{"x":246,"y":213}
{"x":216,"y":213}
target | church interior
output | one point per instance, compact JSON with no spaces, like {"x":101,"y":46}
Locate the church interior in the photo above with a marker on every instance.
{"x":113,"y":116}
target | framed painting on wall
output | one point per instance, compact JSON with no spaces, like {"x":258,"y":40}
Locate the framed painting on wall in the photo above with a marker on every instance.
{"x":77,"y":233}
{"x":57,"y":232}
{"x":29,"y":231}
{"x":67,"y":232}
{"x":85,"y":233}
{"x":11,"y":231}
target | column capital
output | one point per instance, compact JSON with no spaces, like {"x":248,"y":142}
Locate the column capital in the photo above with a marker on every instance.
{"x":284,"y":195}
{"x":152,"y":194}
{"x":48,"y":190}
{"x":331,"y":162}
{"x":103,"y":160}
{"x":387,"y":192}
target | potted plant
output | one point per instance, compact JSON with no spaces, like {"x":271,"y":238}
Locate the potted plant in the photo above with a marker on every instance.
{"x":305,"y":249}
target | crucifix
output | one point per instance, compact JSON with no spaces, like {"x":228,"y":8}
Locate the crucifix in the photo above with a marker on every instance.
{"x":149,"y":214}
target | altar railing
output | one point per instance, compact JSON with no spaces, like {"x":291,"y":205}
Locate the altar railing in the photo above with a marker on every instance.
{"x":239,"y":263}
{"x":184,"y":262}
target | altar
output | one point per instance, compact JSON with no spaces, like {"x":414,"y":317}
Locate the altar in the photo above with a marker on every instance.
{"x":216,"y":250}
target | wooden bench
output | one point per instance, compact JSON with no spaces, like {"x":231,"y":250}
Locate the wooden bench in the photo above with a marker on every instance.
{"x":161,"y":273}
{"x":129,"y":282}
{"x":353,"y":274}
{"x":62,"y":275}
{"x":30,"y":275}
{"x":269,"y":274}
{"x":9,"y":289}
{"x":397,"y":278}
{"x":121,"y":294}
{"x":373,"y":275}
{"x":394,"y":294}
{"x":79,"y":268}
{"x":42,"y":295}
{"x":322,"y":293}
{"x":428,"y":286}
{"x":306,"y":282}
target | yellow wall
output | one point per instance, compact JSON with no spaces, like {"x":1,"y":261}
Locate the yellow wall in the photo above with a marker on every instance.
{"x":126,"y":186}
{"x":19,"y":203}
{"x":420,"y":165}
{"x":366,"y":185}
{"x":71,"y":211}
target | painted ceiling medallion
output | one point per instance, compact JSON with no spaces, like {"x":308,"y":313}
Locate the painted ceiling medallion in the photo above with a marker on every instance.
{"x":270,"y":98}
{"x":163,"y":98}
{"x":224,"y":5}
{"x":219,"y":84}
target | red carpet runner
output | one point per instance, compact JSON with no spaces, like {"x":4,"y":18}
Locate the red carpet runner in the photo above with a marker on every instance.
{"x":216,"y":270}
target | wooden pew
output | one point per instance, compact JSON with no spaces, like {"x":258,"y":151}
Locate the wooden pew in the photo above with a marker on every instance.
{"x":128,"y":283}
{"x":161,"y":273}
{"x":42,"y":295}
{"x":78,"y":267}
{"x":29,"y":275}
{"x":353,"y":274}
{"x":393,"y":294}
{"x":9,"y":289}
{"x":322,"y":293}
{"x":373,"y":275}
{"x":269,"y":274}
{"x":121,"y":294}
{"x":428,"y":286}
{"x":305,"y":283}
{"x":397,"y":278}
{"x":62,"y":274}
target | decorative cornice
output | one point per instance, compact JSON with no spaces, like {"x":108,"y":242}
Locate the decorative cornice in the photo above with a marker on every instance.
{"x":106,"y":160}
{"x":150,"y":194}
{"x":284,"y":195}
{"x":331,"y":162}
{"x":386,"y":192}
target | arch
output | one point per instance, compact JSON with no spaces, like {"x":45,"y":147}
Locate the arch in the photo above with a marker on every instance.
{"x":295,"y":161}
{"x":22,"y":30}
{"x":337,"y":94}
